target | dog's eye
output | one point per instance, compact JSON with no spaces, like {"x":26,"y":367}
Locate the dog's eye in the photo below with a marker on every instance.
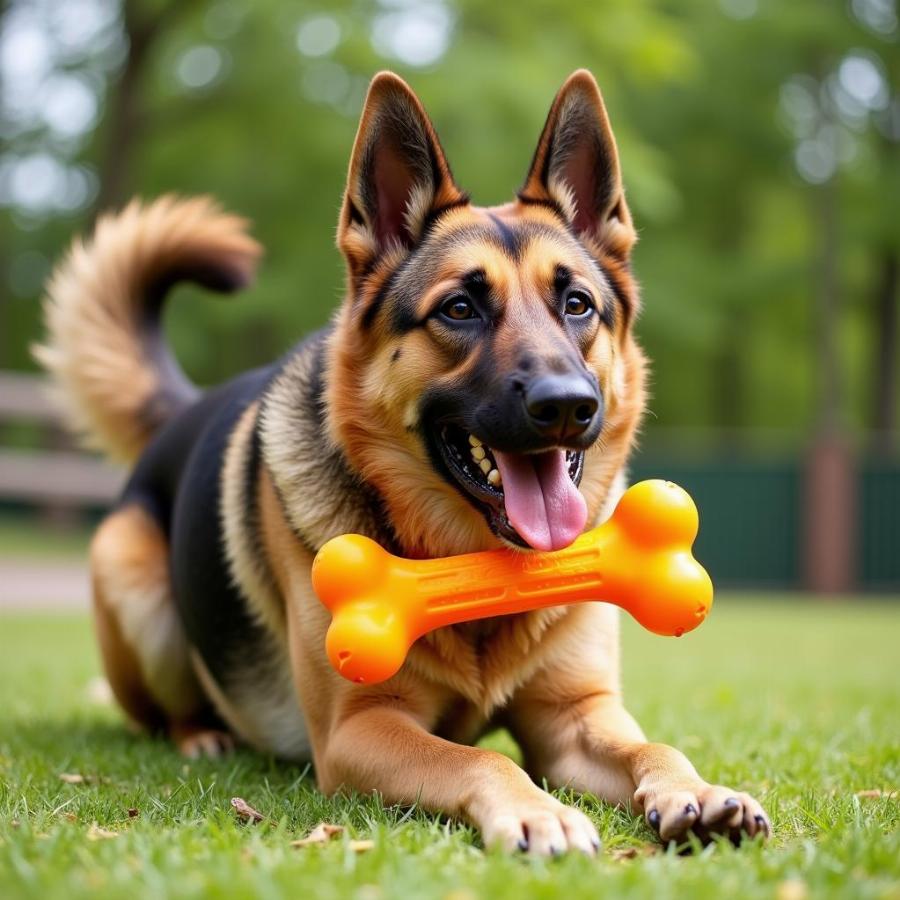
{"x":578,"y":303}
{"x":458,"y":309}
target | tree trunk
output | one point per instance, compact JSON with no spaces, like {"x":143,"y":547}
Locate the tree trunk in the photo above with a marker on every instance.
{"x":830,"y":502}
{"x":125,"y":118}
{"x":729,"y":395}
{"x":827,"y":360}
{"x":884,"y":373}
{"x":5,"y":299}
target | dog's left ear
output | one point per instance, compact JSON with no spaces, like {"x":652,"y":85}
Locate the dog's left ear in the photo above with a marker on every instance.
{"x":576,"y":165}
{"x":398,"y":176}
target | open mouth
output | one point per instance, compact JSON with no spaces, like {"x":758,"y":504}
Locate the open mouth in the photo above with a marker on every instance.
{"x":529,"y":499}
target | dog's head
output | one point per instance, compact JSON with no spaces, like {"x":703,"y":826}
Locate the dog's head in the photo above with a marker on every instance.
{"x":483,"y":367}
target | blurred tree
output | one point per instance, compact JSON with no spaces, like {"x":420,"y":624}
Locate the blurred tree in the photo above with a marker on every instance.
{"x":758,"y":140}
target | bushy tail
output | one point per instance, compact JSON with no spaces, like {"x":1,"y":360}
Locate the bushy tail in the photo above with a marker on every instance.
{"x":117,"y":379}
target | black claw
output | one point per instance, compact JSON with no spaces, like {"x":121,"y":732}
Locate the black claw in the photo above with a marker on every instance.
{"x":690,"y":810}
{"x":595,"y":843}
{"x":554,"y":850}
{"x":762,"y":823}
{"x":523,"y":844}
{"x":653,"y":819}
{"x":732,"y":802}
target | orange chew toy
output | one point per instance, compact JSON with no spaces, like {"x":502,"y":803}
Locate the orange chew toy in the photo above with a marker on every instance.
{"x":640,"y":560}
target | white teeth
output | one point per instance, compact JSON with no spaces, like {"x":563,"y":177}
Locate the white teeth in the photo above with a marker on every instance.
{"x":481,"y":456}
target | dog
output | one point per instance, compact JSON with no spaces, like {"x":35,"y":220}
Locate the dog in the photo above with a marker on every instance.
{"x":480,"y":386}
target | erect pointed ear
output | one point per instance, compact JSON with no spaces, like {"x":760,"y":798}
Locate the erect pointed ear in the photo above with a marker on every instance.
{"x":398,"y":175}
{"x":576,"y":165}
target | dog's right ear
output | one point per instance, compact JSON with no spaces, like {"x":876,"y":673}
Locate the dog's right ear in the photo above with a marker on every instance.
{"x":398,"y":178}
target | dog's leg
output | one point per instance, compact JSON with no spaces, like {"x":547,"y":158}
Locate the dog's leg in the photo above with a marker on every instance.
{"x":575,"y":732}
{"x":143,"y":646}
{"x":386,"y":749}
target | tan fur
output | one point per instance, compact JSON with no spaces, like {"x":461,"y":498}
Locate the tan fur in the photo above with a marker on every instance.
{"x":358,"y":240}
{"x":247,"y":570}
{"x":430,"y":516}
{"x":144,"y":648}
{"x":112,"y":393}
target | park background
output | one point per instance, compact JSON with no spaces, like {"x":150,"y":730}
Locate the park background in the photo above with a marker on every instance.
{"x":759,"y":143}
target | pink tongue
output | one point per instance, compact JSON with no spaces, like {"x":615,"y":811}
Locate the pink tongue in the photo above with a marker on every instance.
{"x":542,"y":502}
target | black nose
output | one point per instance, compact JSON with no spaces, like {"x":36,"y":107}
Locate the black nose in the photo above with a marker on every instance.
{"x":561,"y":406}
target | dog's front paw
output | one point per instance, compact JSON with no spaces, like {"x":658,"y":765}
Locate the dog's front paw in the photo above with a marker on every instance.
{"x":539,"y":825}
{"x":705,"y":810}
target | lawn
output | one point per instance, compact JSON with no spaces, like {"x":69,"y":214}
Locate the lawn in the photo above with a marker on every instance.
{"x":794,"y":701}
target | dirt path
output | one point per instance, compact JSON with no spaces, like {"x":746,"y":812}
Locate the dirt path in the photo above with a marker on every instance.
{"x":46,"y":585}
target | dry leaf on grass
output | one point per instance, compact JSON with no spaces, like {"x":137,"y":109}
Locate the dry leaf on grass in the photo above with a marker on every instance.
{"x":96,"y":833}
{"x":324,"y":832}
{"x":620,"y":853}
{"x":791,"y":889}
{"x":360,"y":846}
{"x":321,"y":834}
{"x":876,"y":794}
{"x":133,"y":813}
{"x":78,"y":778}
{"x":98,"y":691}
{"x":70,"y":817}
{"x":245,"y":811}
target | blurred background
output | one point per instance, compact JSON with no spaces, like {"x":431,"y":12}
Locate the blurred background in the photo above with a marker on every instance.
{"x":759,"y":141}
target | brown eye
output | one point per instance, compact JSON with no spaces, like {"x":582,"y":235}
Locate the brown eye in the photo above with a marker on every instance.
{"x":577,"y":304}
{"x":458,"y":309}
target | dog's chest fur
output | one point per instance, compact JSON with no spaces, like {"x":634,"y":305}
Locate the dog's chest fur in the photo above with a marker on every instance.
{"x":480,"y":664}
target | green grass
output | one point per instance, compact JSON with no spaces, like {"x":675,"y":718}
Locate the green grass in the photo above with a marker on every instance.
{"x":796,"y":702}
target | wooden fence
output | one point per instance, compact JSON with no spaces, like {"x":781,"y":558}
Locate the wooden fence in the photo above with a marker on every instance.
{"x":56,"y":474}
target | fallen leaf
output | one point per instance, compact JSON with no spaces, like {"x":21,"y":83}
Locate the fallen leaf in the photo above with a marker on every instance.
{"x":96,"y":833}
{"x":374,"y":892}
{"x":245,"y":811}
{"x":72,"y":778}
{"x":792,"y":889}
{"x":321,"y":834}
{"x":360,"y":846}
{"x":876,"y":794}
{"x":99,"y":692}
{"x":620,"y":853}
{"x":78,"y":778}
{"x":70,"y":817}
{"x":133,"y":813}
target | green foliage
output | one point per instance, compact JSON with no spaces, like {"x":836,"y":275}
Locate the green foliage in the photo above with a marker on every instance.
{"x":734,"y":119}
{"x":792,"y":701}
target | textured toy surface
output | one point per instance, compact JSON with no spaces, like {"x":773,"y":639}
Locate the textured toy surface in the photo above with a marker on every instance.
{"x":640,"y":560}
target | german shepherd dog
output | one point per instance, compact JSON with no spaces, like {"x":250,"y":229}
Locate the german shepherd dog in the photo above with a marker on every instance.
{"x":479,"y":387}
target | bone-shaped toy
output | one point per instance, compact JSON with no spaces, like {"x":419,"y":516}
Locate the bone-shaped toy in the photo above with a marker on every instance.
{"x":640,"y":560}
